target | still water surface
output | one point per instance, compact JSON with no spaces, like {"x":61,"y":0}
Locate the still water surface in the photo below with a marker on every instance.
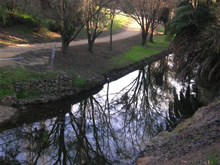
{"x":109,"y":127}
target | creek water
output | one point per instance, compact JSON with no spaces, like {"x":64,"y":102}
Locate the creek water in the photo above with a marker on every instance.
{"x":107,"y":126}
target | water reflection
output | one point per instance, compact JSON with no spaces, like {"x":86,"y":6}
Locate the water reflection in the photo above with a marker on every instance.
{"x":110,"y":127}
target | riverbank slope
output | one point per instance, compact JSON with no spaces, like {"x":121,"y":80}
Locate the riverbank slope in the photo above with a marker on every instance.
{"x":194,"y":141}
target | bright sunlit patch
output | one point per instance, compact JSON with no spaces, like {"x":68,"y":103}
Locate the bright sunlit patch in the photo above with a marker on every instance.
{"x":20,"y":45}
{"x":24,"y":45}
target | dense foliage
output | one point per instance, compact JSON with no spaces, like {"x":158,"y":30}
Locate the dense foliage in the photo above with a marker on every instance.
{"x":197,"y":43}
{"x":9,"y":17}
{"x":3,"y":14}
{"x":187,"y":16}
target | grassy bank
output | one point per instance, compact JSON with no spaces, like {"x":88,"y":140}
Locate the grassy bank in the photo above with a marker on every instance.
{"x":9,"y":76}
{"x":137,"y":53}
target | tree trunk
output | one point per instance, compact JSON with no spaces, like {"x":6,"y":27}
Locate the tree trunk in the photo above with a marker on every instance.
{"x":144,"y":34}
{"x":65,"y":47}
{"x":91,"y":44}
{"x":152,"y":27}
{"x":144,"y":39}
{"x":151,"y":36}
{"x":111,"y":26}
{"x":165,"y":28}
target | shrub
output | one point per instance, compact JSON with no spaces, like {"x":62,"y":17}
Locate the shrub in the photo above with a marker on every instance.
{"x":52,"y":26}
{"x":26,"y":21}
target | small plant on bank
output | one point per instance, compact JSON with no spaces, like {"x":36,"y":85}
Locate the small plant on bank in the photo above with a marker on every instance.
{"x":212,"y":160}
{"x":78,"y":81}
{"x":197,"y":137}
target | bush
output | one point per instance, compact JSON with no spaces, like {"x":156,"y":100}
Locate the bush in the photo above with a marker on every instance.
{"x":188,"y":17}
{"x":53,"y":26}
{"x":17,"y":19}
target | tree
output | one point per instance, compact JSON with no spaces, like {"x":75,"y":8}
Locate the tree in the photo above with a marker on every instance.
{"x":143,"y":12}
{"x":113,"y":6}
{"x":155,"y":5}
{"x":197,"y":44}
{"x":164,"y":17}
{"x":67,"y":14}
{"x":96,"y":18}
{"x":112,"y":16}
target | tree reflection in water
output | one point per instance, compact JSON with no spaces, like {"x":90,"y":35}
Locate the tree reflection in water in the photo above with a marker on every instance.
{"x":111,"y":127}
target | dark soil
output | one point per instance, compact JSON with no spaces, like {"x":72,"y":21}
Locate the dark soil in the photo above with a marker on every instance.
{"x":80,"y":61}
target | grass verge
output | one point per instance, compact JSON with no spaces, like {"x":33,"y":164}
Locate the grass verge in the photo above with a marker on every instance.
{"x":9,"y":76}
{"x":138,"y":53}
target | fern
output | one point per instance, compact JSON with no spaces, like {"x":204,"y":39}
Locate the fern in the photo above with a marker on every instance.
{"x":184,"y":17}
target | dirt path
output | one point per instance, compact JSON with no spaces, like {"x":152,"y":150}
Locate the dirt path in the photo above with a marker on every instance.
{"x":131,"y":30}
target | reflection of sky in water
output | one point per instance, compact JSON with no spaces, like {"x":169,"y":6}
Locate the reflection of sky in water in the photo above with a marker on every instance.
{"x":109,"y":127}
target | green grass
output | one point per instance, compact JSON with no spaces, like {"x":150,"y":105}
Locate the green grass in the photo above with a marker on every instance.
{"x":78,"y":81}
{"x":135,"y":54}
{"x":160,"y":29}
{"x":23,"y":30}
{"x":213,"y":158}
{"x":22,"y":94}
{"x":160,"y":43}
{"x":8,"y":76}
{"x":24,"y":15}
{"x":138,"y":53}
{"x":119,"y":21}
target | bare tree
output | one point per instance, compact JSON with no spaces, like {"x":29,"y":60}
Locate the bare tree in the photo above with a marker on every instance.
{"x":113,"y":12}
{"x":155,"y":6}
{"x":142,"y":11}
{"x":67,"y":14}
{"x":166,"y":12}
{"x":112,"y":16}
{"x":164,"y":17}
{"x":96,"y":19}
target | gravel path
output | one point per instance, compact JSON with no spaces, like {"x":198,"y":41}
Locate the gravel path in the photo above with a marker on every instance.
{"x":131,"y":30}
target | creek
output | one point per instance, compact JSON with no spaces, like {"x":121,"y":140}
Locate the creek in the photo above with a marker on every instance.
{"x":108,"y":125}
